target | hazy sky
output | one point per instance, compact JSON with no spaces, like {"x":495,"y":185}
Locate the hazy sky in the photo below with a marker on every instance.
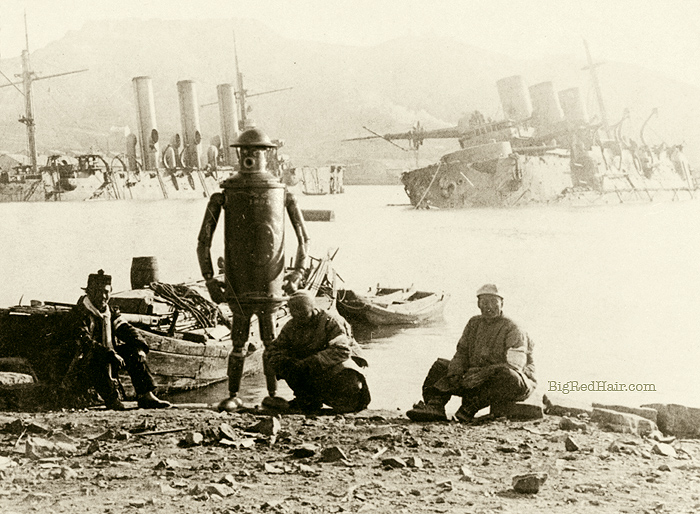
{"x":663,"y":35}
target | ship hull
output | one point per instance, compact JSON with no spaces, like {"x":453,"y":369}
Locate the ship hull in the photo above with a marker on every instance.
{"x":545,"y":176}
{"x":123,"y":186}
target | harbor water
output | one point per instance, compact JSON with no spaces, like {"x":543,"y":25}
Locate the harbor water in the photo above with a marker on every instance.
{"x":608,"y":293}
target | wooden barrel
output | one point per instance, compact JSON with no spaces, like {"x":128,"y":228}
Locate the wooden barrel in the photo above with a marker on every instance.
{"x":144,"y":270}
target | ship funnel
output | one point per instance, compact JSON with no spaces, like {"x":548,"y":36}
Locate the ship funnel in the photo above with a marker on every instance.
{"x":147,"y":130}
{"x":572,"y":105}
{"x":189,"y":117}
{"x":545,"y":104}
{"x":229,"y":121}
{"x":131,"y":144}
{"x":515,"y":98}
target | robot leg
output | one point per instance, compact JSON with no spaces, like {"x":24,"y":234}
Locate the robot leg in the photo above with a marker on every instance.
{"x":267,"y":334}
{"x":236,"y":359}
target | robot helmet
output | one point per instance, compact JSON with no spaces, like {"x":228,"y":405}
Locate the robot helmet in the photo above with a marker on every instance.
{"x":255,"y":138}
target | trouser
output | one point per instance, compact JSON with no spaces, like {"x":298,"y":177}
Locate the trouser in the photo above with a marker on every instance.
{"x":99,"y":367}
{"x":342,"y":388}
{"x":240,"y":331}
{"x":502,"y":385}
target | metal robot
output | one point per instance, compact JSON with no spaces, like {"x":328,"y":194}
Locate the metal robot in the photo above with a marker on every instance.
{"x":254,"y":202}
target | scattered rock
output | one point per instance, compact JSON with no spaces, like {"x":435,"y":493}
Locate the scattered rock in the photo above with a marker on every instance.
{"x":304,"y":451}
{"x":193,"y":438}
{"x":269,"y":426}
{"x":454,"y":453}
{"x":168,"y":464}
{"x":644,"y":412}
{"x":221,"y":489}
{"x":622,"y":422}
{"x":677,"y":420}
{"x":567,"y":423}
{"x":529,"y":483}
{"x":414,"y":462}
{"x":227,"y":432}
{"x":664,"y":467}
{"x":332,"y":454}
{"x":571,"y":445}
{"x":466,"y":473}
{"x":664,"y":449}
{"x":394,"y":462}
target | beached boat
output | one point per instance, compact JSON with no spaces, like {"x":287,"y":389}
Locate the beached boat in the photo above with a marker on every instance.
{"x":387,"y":306}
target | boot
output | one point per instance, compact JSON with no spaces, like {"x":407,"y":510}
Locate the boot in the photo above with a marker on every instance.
{"x":422,"y":411}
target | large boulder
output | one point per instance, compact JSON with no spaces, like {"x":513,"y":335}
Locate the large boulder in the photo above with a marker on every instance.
{"x":677,"y":420}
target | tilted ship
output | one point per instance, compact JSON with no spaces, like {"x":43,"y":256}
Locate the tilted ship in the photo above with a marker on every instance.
{"x":178,"y":169}
{"x":545,"y":151}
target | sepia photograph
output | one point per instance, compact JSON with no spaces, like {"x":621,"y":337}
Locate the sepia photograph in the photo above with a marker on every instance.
{"x":349,"y":256}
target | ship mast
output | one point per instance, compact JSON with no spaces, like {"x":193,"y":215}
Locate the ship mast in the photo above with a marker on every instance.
{"x":28,"y":77}
{"x":592,"y":67}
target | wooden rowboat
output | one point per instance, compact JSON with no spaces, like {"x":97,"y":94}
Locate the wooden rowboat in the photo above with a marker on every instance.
{"x":187,"y":351}
{"x":391,"y":306}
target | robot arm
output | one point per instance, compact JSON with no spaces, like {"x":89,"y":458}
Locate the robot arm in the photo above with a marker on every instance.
{"x":206,"y":233}
{"x":297,"y":219}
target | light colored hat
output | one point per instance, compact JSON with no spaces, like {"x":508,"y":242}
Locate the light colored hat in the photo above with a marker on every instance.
{"x":488,"y":289}
{"x":302,"y":297}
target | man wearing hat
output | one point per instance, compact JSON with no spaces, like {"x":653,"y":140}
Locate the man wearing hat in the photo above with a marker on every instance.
{"x":493,"y":364}
{"x":106,"y":343}
{"x":313,"y":355}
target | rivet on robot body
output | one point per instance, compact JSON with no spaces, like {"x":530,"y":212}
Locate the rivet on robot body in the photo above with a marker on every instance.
{"x":254,"y":202}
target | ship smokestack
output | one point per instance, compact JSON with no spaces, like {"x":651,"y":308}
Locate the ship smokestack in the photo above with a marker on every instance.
{"x":229,"y":121}
{"x":572,"y":104}
{"x":545,"y":104}
{"x":189,"y":117}
{"x":147,"y":129}
{"x":515,"y":98}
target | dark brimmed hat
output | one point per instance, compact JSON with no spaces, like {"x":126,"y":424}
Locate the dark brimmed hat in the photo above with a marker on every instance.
{"x":99,"y":279}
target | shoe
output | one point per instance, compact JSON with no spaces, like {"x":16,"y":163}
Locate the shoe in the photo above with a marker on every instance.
{"x":275,"y":403}
{"x":231,"y":404}
{"x":427,"y":412}
{"x":115,"y":404}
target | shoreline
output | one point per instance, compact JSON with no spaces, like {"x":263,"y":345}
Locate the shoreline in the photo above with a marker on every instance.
{"x":196,"y":460}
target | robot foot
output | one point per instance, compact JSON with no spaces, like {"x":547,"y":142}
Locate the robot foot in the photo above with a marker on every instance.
{"x":231,"y":404}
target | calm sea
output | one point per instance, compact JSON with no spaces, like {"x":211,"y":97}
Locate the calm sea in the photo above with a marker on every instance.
{"x":608,"y":293}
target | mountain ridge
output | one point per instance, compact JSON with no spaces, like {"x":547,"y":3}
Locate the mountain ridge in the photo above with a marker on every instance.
{"x":337,"y":89}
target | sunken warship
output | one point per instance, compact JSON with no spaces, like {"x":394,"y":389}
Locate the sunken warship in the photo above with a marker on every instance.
{"x":546,"y":151}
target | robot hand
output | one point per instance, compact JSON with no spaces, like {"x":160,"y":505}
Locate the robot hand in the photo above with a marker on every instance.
{"x":216,"y":290}
{"x":292,"y":282}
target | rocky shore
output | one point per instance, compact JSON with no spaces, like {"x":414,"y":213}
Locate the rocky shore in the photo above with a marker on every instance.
{"x":196,"y":460}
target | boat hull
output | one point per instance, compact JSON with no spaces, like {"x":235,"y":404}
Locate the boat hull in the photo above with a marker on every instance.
{"x":392,"y":307}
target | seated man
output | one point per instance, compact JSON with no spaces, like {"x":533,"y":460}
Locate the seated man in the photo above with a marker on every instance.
{"x":313,"y":355}
{"x":493,"y":364}
{"x":105,"y":343}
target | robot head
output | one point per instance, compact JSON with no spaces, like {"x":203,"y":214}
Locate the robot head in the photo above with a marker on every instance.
{"x":252,"y":145}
